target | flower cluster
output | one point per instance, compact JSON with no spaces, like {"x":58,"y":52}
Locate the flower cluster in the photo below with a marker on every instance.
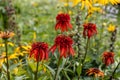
{"x":39,"y":50}
{"x":89,"y":3}
{"x":63,"y":22}
{"x":108,"y":58}
{"x":64,"y":44}
{"x":89,"y":30}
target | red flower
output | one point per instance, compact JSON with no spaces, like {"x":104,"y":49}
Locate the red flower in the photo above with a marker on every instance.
{"x":63,"y":22}
{"x":89,"y":30}
{"x":108,"y":58}
{"x":64,"y":44}
{"x":95,"y":72}
{"x":39,"y":50}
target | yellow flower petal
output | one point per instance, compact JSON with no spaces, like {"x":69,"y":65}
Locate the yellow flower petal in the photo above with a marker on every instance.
{"x":104,"y":2}
{"x":75,"y":2}
{"x":2,"y":45}
{"x":111,"y":28}
{"x":11,"y":44}
{"x":26,"y":47}
{"x":13,"y":56}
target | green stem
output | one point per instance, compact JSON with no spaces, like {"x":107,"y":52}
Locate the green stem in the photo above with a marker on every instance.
{"x":36,"y":78}
{"x":111,"y":77}
{"x":56,"y":75}
{"x":78,"y":77}
{"x":86,"y":50}
{"x":68,"y":6}
{"x":7,"y":63}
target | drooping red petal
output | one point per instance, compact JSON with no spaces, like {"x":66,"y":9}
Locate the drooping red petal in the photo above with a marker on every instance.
{"x":72,"y":52}
{"x":62,"y":52}
{"x":70,"y":26}
{"x":64,"y":45}
{"x":63,"y":22}
{"x":57,"y":26}
{"x":108,"y":58}
{"x":39,"y":51}
{"x":41,"y":55}
{"x":53,"y":48}
{"x":89,"y":30}
{"x":46,"y":55}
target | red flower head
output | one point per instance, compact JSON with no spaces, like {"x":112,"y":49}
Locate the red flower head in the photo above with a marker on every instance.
{"x":39,"y":50}
{"x":63,"y":22}
{"x":64,"y":44}
{"x":108,"y":58}
{"x":95,"y":72}
{"x":89,"y":30}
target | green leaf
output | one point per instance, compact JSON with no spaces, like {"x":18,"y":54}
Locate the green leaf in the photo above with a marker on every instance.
{"x":79,"y":68}
{"x":20,"y":78}
{"x":66,"y":75}
{"x":14,"y":66}
{"x":49,"y":68}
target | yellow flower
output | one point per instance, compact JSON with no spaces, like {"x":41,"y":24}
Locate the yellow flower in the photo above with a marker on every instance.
{"x":6,"y":35}
{"x":111,"y":28}
{"x":86,"y":3}
{"x":75,"y":2}
{"x":2,"y":45}
{"x":9,"y":43}
{"x":13,"y":56}
{"x":104,"y":2}
{"x":91,"y":10}
{"x":3,"y":58}
{"x":25,"y":49}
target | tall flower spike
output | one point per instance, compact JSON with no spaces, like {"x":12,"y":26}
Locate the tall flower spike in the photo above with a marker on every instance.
{"x":108,"y":58}
{"x":64,"y":45}
{"x":113,"y":39}
{"x":39,"y":50}
{"x":63,"y":22}
{"x":95,"y":72}
{"x":89,"y":30}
